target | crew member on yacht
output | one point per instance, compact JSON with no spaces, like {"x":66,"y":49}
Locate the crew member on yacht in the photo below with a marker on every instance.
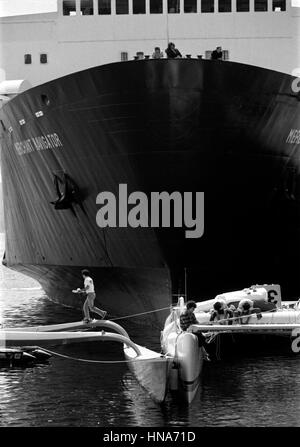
{"x":245,"y":307}
{"x":88,"y":305}
{"x":220,"y":312}
{"x":187,"y":319}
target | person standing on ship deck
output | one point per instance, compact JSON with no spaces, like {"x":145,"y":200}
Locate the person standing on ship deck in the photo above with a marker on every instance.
{"x":88,"y":305}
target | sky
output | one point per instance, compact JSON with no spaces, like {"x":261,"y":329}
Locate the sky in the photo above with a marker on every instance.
{"x":13,"y":7}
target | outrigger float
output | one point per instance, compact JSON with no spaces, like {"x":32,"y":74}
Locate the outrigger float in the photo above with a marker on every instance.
{"x":178,"y":367}
{"x":150,"y":368}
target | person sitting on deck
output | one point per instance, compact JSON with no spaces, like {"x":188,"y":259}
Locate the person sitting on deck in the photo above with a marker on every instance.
{"x":221,"y":312}
{"x":187,"y":319}
{"x":172,"y":52}
{"x":246,"y":307}
{"x":157,"y":53}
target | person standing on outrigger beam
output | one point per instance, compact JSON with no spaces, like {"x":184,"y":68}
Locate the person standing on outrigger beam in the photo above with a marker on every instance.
{"x":88,"y":305}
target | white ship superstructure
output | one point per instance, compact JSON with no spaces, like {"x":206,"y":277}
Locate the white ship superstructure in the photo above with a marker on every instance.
{"x":87,"y":33}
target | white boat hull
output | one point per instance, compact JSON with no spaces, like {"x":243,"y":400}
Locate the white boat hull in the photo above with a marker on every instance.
{"x":190,"y":363}
{"x":151,"y":371}
{"x":275,"y":318}
{"x":187,"y":363}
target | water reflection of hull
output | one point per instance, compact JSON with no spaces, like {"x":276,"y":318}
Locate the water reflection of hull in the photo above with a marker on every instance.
{"x":180,"y":125}
{"x":172,"y":412}
{"x":151,"y":370}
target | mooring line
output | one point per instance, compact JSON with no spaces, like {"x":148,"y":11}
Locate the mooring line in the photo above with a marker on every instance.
{"x":77,"y":359}
{"x":142,"y":313}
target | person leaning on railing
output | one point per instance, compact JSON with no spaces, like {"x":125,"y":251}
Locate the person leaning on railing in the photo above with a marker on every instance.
{"x":246,"y":307}
{"x":217,"y":54}
{"x":157,"y":53}
{"x":220,"y":312}
{"x":172,"y":52}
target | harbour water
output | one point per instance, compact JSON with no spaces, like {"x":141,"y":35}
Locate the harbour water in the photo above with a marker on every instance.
{"x":248,"y":391}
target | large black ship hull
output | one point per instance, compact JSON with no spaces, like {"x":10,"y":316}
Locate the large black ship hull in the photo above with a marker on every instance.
{"x":225,"y":129}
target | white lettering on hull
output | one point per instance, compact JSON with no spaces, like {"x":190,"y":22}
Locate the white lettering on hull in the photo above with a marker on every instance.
{"x":39,"y":143}
{"x":293,"y":137}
